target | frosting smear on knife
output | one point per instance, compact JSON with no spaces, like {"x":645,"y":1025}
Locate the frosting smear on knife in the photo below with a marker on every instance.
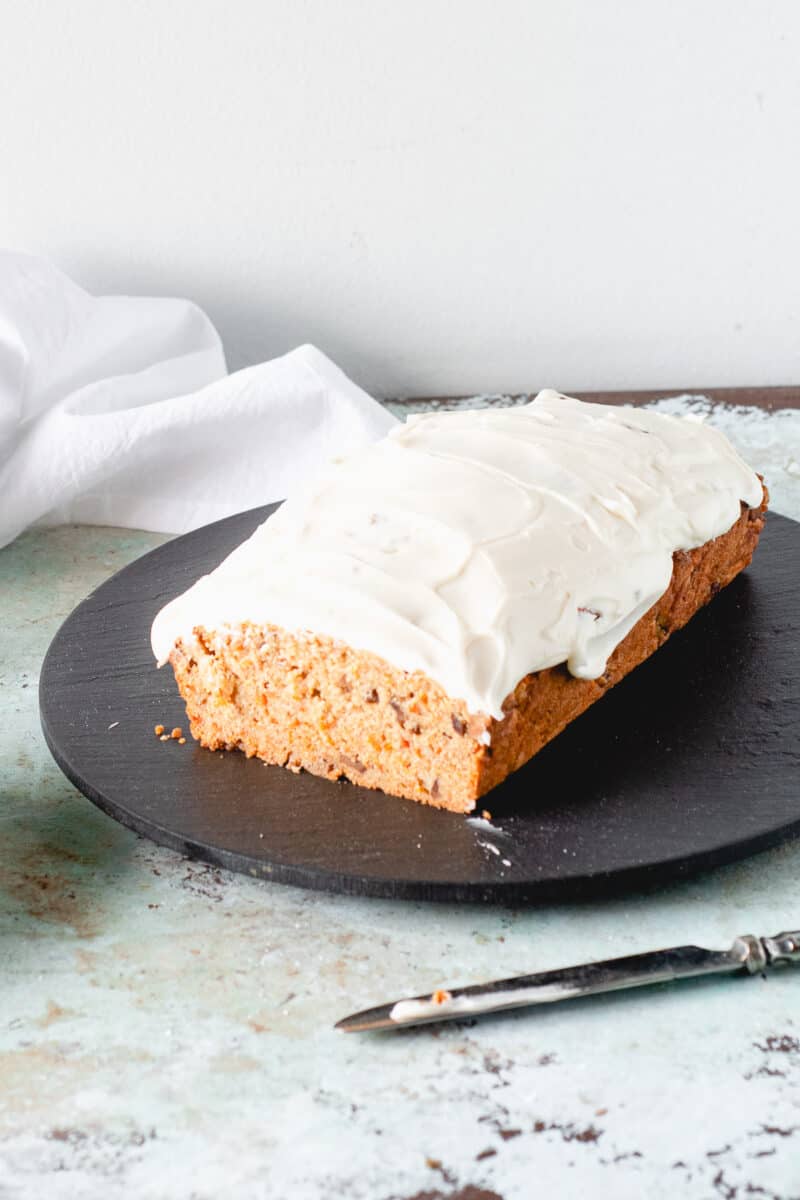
{"x":480,"y":546}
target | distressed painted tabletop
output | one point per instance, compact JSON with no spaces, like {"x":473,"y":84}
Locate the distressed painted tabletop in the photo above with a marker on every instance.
{"x":166,"y":1028}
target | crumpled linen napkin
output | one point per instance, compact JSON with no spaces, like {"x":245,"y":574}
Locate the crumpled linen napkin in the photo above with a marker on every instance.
{"x":118,"y":410}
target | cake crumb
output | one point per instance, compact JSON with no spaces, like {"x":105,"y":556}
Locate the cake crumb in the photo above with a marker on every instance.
{"x":164,"y":737}
{"x":176,"y":733}
{"x":182,"y":741}
{"x":487,"y":816}
{"x":158,"y":730}
{"x":441,"y":996}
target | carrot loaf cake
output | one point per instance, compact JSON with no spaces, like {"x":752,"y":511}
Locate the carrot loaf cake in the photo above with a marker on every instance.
{"x":441,"y":604}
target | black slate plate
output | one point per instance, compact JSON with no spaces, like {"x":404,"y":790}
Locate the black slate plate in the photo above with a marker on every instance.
{"x":691,"y":761}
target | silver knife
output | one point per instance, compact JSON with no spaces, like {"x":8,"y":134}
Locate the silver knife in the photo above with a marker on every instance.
{"x":747,"y":956}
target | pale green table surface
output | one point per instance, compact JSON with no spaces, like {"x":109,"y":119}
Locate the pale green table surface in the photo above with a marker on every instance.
{"x":166,"y":1028}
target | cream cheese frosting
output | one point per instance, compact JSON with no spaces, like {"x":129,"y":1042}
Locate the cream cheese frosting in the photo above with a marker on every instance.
{"x":480,"y":546}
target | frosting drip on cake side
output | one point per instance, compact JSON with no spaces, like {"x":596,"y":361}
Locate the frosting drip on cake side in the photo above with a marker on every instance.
{"x":480,"y":546}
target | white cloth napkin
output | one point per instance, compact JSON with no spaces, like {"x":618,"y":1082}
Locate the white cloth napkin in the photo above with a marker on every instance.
{"x":117,"y":410}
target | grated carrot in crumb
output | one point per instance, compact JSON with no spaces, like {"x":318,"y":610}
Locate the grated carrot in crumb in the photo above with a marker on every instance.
{"x":441,"y":996}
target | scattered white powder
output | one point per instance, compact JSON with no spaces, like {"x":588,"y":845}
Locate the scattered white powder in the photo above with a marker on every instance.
{"x":489,"y":846}
{"x":482,"y":823}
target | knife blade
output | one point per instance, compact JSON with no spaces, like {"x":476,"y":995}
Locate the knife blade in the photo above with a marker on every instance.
{"x":748,"y":955}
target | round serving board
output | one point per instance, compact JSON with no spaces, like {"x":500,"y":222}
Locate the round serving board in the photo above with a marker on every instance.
{"x":690,"y":762}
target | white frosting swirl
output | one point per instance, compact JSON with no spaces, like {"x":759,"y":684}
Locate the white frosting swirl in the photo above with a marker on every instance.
{"x":480,"y":546}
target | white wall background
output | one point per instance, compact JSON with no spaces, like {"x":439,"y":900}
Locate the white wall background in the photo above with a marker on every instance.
{"x":446,"y":197}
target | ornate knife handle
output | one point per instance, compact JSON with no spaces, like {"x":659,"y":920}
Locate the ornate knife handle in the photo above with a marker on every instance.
{"x":782,"y":949}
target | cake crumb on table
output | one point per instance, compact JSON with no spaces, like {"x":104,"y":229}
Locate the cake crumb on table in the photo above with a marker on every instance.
{"x":158,"y":730}
{"x":177,"y":733}
{"x":181,"y":741}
